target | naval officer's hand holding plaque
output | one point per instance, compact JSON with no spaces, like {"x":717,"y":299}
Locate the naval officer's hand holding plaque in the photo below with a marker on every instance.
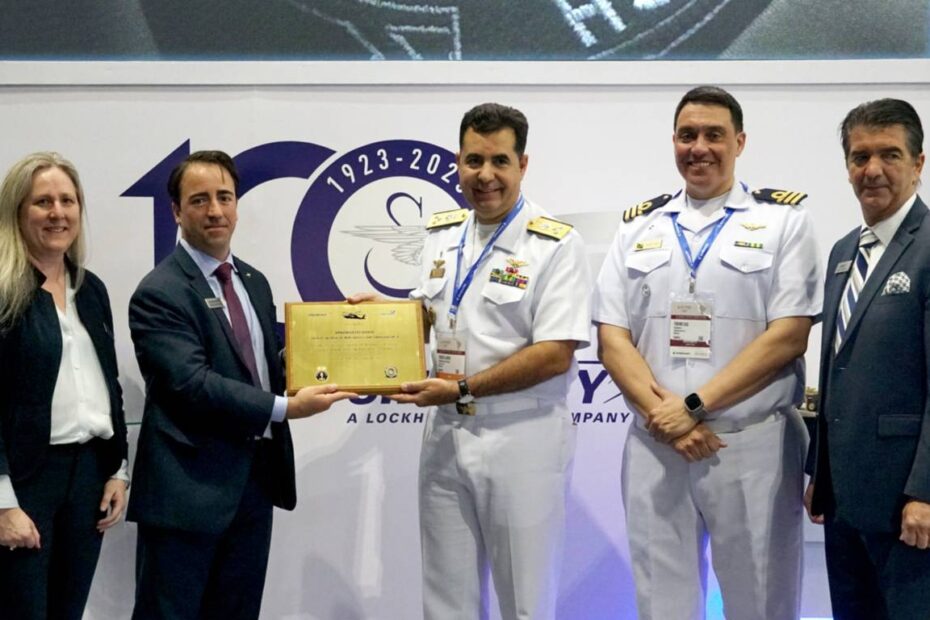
{"x":367,"y":348}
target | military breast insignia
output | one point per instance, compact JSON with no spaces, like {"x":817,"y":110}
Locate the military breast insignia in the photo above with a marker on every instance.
{"x":648,"y":244}
{"x":779,"y":196}
{"x":438,"y":269}
{"x":748,"y":244}
{"x":443,"y":219}
{"x":510,"y":275}
{"x":752,"y":227}
{"x":548,"y":227}
{"x":645,"y":207}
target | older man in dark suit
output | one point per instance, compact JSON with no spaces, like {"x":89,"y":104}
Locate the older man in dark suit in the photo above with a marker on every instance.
{"x":215,"y":451}
{"x":871,"y":457}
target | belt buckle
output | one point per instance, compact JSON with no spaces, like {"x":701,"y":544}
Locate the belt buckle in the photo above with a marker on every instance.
{"x":465,"y":408}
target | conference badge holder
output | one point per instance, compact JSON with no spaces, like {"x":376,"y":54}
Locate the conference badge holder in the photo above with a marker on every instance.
{"x":450,"y":354}
{"x":691,"y":326}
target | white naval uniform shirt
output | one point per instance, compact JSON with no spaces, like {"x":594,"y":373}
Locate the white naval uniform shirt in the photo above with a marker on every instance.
{"x":503,"y":319}
{"x":752,"y":286}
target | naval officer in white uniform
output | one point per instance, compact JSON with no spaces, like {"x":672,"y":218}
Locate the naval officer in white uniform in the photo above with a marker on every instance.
{"x":704,"y":304}
{"x":507,"y":292}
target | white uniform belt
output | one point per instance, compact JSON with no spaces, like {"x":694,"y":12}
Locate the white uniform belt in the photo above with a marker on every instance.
{"x":726,"y":424}
{"x":493,"y":407}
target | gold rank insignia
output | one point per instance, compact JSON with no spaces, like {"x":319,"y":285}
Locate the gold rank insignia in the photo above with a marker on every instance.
{"x":645,"y":207}
{"x":751,"y":227}
{"x":748,"y":244}
{"x":447,"y":218}
{"x":779,"y":196}
{"x":548,"y":227}
{"x":438,"y":269}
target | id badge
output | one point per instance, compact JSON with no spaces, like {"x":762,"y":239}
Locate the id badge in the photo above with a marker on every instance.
{"x":691,"y":323}
{"x":450,"y":354}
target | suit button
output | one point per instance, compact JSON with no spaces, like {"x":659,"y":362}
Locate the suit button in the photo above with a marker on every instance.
{"x":836,"y":420}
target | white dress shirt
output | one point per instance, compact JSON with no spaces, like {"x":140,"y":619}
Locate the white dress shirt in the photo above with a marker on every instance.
{"x":885,"y":231}
{"x":80,"y":407}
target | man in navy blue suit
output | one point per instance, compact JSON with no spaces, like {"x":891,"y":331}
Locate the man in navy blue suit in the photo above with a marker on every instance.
{"x":215,"y":451}
{"x":871,"y":457}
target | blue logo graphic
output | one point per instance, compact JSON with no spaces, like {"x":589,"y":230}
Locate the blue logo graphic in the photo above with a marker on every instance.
{"x":327,"y":195}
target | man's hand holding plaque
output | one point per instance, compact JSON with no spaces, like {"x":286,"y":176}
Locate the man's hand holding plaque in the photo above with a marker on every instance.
{"x":314,"y":399}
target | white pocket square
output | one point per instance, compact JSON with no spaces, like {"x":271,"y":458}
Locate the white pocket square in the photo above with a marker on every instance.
{"x":897,"y":284}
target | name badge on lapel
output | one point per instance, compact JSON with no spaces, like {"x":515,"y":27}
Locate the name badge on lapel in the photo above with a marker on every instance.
{"x":214,"y":303}
{"x":843,"y":266}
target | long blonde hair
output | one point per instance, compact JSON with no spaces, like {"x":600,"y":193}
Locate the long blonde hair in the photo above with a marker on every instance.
{"x":17,"y":277}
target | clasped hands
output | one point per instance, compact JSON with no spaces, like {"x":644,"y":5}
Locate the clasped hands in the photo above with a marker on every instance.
{"x":670,"y":423}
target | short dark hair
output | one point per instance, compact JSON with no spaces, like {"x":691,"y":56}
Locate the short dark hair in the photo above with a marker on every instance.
{"x":490,"y":117}
{"x":218,"y":158}
{"x":884,"y":113}
{"x":712,"y":95}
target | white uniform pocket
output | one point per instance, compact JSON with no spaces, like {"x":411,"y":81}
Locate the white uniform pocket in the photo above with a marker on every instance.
{"x":648,"y":287}
{"x":745,"y":280}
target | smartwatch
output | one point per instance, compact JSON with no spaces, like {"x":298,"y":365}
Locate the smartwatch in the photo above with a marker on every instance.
{"x":465,"y":395}
{"x":695,"y":407}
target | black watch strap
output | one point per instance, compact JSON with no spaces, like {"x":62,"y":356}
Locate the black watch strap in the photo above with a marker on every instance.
{"x":465,"y":395}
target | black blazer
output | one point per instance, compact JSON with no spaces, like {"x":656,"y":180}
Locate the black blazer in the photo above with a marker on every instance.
{"x":30,"y":357}
{"x":872,"y":447}
{"x":202,"y":412}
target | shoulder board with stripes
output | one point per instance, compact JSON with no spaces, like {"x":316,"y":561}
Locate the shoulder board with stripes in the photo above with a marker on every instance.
{"x":548,"y":227}
{"x":645,"y":207}
{"x":447,"y":218}
{"x":779,"y":196}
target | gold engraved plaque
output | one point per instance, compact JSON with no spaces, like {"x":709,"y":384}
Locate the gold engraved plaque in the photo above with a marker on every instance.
{"x":368,"y":348}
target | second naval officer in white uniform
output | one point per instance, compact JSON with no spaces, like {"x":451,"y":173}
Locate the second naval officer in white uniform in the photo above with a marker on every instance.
{"x":704,"y":304}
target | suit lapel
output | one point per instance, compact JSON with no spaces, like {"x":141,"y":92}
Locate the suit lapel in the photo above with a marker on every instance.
{"x":899,"y":243}
{"x":203,"y":291}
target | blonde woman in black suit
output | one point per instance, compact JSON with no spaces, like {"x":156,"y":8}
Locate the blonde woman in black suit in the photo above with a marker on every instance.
{"x":62,"y":430}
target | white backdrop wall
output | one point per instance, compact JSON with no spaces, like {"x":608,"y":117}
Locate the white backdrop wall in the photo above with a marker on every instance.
{"x":600,"y":141}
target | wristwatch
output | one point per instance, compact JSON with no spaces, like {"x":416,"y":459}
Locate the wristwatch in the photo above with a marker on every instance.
{"x":695,"y":407}
{"x":465,"y":395}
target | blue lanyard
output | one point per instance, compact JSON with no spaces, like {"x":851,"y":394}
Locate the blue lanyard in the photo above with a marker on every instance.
{"x":695,"y":262}
{"x":459,"y":291}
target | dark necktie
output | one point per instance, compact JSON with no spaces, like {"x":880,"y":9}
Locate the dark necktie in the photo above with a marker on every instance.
{"x":240,"y":327}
